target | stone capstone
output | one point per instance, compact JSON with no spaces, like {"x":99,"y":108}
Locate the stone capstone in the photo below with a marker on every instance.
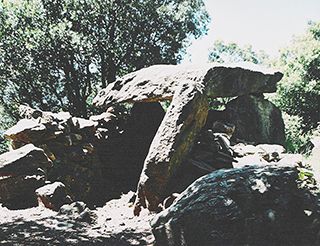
{"x":160,"y":82}
{"x":188,"y":89}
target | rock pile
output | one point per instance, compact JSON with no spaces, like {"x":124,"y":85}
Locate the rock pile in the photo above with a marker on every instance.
{"x":68,"y":142}
{"x":91,"y":158}
{"x":22,"y":171}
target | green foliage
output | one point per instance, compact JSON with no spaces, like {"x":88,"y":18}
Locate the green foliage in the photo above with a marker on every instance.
{"x":222,"y":52}
{"x":5,"y":122}
{"x":231,"y":52}
{"x":299,"y":91}
{"x":55,"y":54}
{"x":295,"y":137}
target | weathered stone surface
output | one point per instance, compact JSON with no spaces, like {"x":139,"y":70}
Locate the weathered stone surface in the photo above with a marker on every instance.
{"x":53,"y":195}
{"x":246,"y":206}
{"x":23,"y":161}
{"x":184,"y":119}
{"x":78,"y":211}
{"x":184,"y":86}
{"x":265,"y":154}
{"x":70,"y":143}
{"x":21,"y":173}
{"x":256,"y":120}
{"x":160,"y":82}
{"x":27,"y":131}
{"x":18,"y":192}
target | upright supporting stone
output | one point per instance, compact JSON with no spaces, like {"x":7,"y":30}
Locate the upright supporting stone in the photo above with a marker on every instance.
{"x":187,"y":87}
{"x":174,"y":139}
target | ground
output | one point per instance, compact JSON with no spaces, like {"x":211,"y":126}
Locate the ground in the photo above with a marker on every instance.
{"x":112,"y":224}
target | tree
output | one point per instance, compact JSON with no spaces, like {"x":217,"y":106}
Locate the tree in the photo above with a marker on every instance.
{"x":54,"y":54}
{"x":232,"y":52}
{"x":222,"y":52}
{"x":299,"y":91}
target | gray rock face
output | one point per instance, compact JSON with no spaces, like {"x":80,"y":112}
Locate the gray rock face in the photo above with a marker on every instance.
{"x":53,"y":195}
{"x":188,"y":88}
{"x":246,"y":206}
{"x":256,"y":120}
{"x":21,"y":173}
{"x":18,"y":192}
{"x":25,"y":160}
{"x":184,"y":119}
{"x":160,"y":82}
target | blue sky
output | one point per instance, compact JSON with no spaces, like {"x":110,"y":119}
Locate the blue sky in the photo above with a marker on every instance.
{"x":265,"y":24}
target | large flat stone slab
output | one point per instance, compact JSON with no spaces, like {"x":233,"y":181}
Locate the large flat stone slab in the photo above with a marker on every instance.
{"x":159,"y":82}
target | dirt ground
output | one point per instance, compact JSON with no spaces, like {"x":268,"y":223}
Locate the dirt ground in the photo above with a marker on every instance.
{"x":112,"y":224}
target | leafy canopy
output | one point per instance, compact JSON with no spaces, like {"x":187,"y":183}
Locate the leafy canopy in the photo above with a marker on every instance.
{"x":299,"y":91}
{"x":232,"y":53}
{"x":54,"y":54}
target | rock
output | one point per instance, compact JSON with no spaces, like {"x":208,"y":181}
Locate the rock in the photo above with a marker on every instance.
{"x":173,"y":141}
{"x":18,"y":192}
{"x":250,"y":160}
{"x":104,"y":118}
{"x":212,"y":151}
{"x":53,"y":195}
{"x":26,"y":131}
{"x":246,"y":206}
{"x":23,"y":161}
{"x":188,"y":88}
{"x":83,"y":124}
{"x":78,"y":211}
{"x":21,"y":173}
{"x":294,"y":160}
{"x":256,"y":120}
{"x":246,"y":149}
{"x":160,"y":82}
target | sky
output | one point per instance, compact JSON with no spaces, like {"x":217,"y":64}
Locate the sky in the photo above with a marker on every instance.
{"x":267,"y":25}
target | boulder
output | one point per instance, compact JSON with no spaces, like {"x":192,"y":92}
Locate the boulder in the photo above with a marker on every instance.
{"x":160,"y":82}
{"x":18,"y":192}
{"x":256,"y":120}
{"x":184,"y":119}
{"x":53,"y":196}
{"x":23,"y":161}
{"x":245,"y":206}
{"x":78,"y":211}
{"x":26,"y":131}
{"x":22,"y":171}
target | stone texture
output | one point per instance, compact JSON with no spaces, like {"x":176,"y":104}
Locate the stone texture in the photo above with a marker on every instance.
{"x":78,"y":211}
{"x":188,"y":88}
{"x":23,"y":161}
{"x":184,"y":119}
{"x":18,"y":192}
{"x":53,"y":196}
{"x":160,"y":82}
{"x":69,"y":143}
{"x":246,"y":206}
{"x":256,"y":120}
{"x":22,"y":171}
